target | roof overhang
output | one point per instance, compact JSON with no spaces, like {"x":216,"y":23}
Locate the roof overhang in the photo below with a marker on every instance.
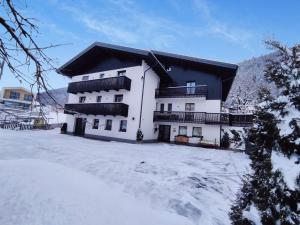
{"x":220,"y":68}
{"x":100,"y":50}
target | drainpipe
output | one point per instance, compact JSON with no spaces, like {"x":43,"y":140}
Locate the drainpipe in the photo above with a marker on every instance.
{"x":143,"y":88}
{"x":221,"y":88}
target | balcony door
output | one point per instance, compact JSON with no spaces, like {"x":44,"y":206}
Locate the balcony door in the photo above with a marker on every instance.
{"x":80,"y":126}
{"x":190,"y":87}
{"x":189,"y":112}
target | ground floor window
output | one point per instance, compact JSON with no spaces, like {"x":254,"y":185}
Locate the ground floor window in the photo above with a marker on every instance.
{"x":82,"y":99}
{"x":183,"y":130}
{"x":123,"y":125}
{"x":96,"y":124}
{"x":197,"y":131}
{"x":99,"y":98}
{"x":108,"y":124}
{"x":118,"y":98}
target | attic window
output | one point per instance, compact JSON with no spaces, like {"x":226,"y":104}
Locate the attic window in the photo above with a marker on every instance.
{"x":85,"y":78}
{"x":121,"y":73}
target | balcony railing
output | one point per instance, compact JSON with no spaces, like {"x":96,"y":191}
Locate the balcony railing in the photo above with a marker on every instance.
{"x":203,"y":118}
{"x":105,"y":84}
{"x":182,"y":92}
{"x":114,"y":109}
{"x":240,"y":119}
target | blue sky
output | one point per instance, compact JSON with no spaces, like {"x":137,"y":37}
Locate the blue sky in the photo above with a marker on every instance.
{"x":224,"y":30}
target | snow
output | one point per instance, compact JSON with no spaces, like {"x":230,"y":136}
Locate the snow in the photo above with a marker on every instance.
{"x":287,"y":166}
{"x":47,"y":176}
{"x":252,"y":214}
{"x":39,"y":192}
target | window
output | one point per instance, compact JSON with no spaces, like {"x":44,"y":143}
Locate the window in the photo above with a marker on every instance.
{"x":190,"y":87}
{"x":189,"y":107}
{"x":123,"y":125}
{"x":28,"y":97}
{"x":101,"y":75}
{"x":169,"y":107}
{"x":183,"y":130}
{"x":162,"y":108}
{"x":197,"y":132}
{"x":121,"y":73}
{"x":108,"y":124}
{"x":82,"y":99}
{"x":14,"y":95}
{"x":118,"y":98}
{"x":99,"y":98}
{"x":96,"y":124}
{"x":85,"y":78}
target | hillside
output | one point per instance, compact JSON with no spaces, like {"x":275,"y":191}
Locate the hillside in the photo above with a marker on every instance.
{"x":250,"y":77}
{"x":60,"y":95}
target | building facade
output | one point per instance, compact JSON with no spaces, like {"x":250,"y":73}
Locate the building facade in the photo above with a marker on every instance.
{"x":116,"y":91}
{"x":16,"y":98}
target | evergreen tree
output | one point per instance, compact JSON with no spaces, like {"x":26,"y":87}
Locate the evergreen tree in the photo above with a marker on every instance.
{"x":225,"y":140}
{"x":275,"y":129}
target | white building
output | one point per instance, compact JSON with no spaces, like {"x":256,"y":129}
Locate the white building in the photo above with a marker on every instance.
{"x":115,"y":91}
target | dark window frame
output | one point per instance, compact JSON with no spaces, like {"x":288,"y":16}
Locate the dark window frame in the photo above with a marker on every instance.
{"x":180,"y":129}
{"x":85,"y":77}
{"x":121,"y":123}
{"x":99,"y":97}
{"x":193,"y":135}
{"x":80,"y":99}
{"x":162,"y":107}
{"x":170,"y":107}
{"x":121,"y":73}
{"x":190,"y":103}
{"x":108,"y":124}
{"x":95,"y":124}
{"x":117,"y":96}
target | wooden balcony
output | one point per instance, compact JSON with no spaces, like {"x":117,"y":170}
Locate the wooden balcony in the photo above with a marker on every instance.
{"x":203,"y":118}
{"x":105,"y":84}
{"x":114,"y":109}
{"x":182,"y":92}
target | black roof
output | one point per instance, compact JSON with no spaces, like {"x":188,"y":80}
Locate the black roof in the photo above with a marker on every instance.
{"x":98,"y":49}
{"x":69,"y":68}
{"x":183,"y":58}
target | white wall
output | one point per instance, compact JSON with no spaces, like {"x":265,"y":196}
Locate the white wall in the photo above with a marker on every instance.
{"x":132,"y":98}
{"x":210,"y":133}
{"x":149,"y":104}
{"x":201,"y":104}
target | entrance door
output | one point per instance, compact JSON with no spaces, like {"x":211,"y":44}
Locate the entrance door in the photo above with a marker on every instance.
{"x":164,"y":132}
{"x":80,"y":126}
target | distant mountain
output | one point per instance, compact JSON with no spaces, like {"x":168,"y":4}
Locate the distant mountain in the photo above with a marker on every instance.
{"x":249,"y":78}
{"x":60,"y":95}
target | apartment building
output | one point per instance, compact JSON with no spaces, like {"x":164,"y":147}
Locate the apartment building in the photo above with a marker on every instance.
{"x":116,"y":91}
{"x":16,"y":98}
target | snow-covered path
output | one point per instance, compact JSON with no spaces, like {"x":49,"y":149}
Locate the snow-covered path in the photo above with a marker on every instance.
{"x":190,"y":184}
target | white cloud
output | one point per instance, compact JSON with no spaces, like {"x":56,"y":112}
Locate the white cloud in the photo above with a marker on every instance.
{"x":220,"y":28}
{"x":122,"y":21}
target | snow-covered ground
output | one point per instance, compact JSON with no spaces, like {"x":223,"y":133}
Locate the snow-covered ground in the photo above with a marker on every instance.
{"x":50,"y":178}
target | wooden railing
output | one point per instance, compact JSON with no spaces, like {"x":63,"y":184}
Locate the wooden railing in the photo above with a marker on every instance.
{"x":105,"y":84}
{"x":114,"y":109}
{"x":203,"y":118}
{"x":178,"y":92}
